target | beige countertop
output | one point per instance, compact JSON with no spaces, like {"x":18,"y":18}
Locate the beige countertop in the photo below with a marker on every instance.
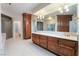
{"x":64,"y":35}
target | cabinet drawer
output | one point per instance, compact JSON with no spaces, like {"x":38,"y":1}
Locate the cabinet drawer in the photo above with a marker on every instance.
{"x":67,"y":42}
{"x":66,"y":51}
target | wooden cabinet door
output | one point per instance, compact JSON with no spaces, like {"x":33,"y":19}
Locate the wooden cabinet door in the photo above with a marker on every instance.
{"x":43,"y":41}
{"x":26,"y":26}
{"x":63,"y":22}
{"x":35,"y":38}
{"x":53,"y":44}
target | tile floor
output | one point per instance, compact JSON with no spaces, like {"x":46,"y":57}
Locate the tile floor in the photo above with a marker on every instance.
{"x":25,"y":48}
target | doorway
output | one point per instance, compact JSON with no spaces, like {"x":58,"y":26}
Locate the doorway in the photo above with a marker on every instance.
{"x":7,"y":26}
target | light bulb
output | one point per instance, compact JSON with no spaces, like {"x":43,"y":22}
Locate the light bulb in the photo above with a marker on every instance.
{"x":66,"y":8}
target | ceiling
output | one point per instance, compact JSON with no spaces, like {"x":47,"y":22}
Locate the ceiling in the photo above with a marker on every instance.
{"x":19,"y":7}
{"x":38,"y":8}
{"x":53,"y":9}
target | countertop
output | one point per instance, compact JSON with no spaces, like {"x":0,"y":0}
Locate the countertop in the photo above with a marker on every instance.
{"x":64,"y":35}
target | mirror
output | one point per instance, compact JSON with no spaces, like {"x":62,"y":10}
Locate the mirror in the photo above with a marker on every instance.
{"x":57,"y":17}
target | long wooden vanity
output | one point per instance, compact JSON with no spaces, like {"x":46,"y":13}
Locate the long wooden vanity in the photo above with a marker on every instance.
{"x":60,"y":46}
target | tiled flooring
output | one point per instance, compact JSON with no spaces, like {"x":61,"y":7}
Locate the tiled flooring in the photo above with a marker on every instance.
{"x":25,"y":48}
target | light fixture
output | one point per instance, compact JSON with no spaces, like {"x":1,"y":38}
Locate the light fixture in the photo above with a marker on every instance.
{"x":40,"y":17}
{"x":66,"y":8}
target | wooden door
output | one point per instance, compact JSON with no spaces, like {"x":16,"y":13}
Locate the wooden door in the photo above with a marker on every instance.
{"x":63,"y":22}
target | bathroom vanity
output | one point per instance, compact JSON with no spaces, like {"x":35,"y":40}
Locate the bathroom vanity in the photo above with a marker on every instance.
{"x":57,"y":42}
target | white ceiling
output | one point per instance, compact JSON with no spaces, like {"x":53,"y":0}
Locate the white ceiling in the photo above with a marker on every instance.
{"x":53,"y":8}
{"x":19,"y":7}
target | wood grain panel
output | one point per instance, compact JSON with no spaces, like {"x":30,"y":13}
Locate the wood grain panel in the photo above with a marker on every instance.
{"x":63,"y":22}
{"x":35,"y":39}
{"x":26,"y":26}
{"x":53,"y":44}
{"x":59,"y":46}
{"x":43,"y":41}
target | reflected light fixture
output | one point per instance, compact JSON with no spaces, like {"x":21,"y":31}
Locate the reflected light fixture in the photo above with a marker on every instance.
{"x":66,"y":8}
{"x":60,"y":10}
{"x":49,"y":18}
